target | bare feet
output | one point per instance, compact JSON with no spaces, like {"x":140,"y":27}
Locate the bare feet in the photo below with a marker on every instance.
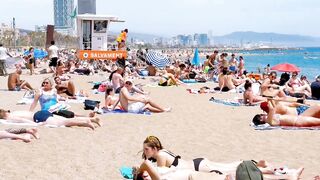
{"x":26,"y":138}
{"x":90,"y":125}
{"x":92,"y":114}
{"x":97,"y":121}
{"x":34,"y":132}
{"x":296,"y":175}
{"x":168,"y":109}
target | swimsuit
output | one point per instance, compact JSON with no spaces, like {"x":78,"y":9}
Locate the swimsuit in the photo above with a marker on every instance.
{"x":196,"y":162}
{"x":47,"y":99}
{"x":302,"y":109}
{"x":276,"y":120}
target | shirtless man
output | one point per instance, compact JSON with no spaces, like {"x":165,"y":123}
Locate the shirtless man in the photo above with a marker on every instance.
{"x":309,"y":118}
{"x":117,"y":80}
{"x":228,"y":82}
{"x":65,"y":87}
{"x":137,"y":104}
{"x":270,"y":89}
{"x":15,"y":84}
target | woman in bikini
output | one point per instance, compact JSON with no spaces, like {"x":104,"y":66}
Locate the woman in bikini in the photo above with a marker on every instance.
{"x":309,"y":118}
{"x":171,"y":166}
{"x":295,"y":86}
{"x":110,"y":99}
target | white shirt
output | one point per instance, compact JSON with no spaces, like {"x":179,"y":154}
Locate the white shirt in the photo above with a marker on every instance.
{"x":53,"y":51}
{"x":3,"y":53}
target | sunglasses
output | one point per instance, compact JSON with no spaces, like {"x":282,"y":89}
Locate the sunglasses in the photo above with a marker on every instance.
{"x":43,"y":83}
{"x":129,"y":83}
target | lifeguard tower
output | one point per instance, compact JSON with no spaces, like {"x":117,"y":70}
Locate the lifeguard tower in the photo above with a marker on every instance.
{"x":92,"y":31}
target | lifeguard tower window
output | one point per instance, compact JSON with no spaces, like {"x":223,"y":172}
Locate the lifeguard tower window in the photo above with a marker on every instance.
{"x":100,"y":26}
{"x":87,"y":36}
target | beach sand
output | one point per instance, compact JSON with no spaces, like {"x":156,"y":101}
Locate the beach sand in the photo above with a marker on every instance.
{"x":194,"y":128}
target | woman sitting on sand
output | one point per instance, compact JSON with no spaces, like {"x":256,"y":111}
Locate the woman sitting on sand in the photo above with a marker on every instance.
{"x":295,"y":87}
{"x":20,"y":134}
{"x":168,"y":79}
{"x":173,"y":167}
{"x":110,"y":99}
{"x":309,"y":118}
{"x":46,"y":118}
{"x":248,"y":96}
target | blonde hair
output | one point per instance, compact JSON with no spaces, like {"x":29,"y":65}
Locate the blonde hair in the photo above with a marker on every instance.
{"x":47,"y":79}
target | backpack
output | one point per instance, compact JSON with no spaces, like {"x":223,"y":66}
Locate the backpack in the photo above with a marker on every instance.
{"x":248,"y":170}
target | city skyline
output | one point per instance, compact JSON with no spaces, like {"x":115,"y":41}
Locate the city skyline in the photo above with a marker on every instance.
{"x":167,"y":18}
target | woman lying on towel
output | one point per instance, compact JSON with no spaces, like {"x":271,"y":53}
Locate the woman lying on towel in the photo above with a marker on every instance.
{"x":46,"y":118}
{"x":149,"y":172}
{"x":309,"y":118}
{"x":167,"y":162}
{"x":20,"y":134}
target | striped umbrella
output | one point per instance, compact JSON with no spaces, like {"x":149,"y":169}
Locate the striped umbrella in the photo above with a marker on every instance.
{"x":157,"y":59}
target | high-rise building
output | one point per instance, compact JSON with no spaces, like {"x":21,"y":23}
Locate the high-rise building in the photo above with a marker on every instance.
{"x":87,"y":6}
{"x":63,"y":10}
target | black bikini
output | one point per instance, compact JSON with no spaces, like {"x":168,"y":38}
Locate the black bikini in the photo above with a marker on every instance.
{"x":196,"y":162}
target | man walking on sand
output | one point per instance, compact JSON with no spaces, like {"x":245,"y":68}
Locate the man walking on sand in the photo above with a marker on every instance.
{"x":53,"y":55}
{"x":3,"y":56}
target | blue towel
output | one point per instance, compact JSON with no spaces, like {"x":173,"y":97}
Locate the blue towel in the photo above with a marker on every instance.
{"x":119,"y":111}
{"x":226,"y":102}
{"x":126,"y":172}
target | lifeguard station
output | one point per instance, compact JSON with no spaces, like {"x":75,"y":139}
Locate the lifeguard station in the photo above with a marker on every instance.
{"x":92,"y":31}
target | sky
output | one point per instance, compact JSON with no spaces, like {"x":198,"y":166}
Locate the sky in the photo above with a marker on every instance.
{"x":172,"y":17}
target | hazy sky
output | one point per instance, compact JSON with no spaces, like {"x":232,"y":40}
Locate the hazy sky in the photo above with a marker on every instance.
{"x":171,"y":17}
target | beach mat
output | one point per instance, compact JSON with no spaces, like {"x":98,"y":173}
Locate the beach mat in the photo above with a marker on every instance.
{"x":119,"y":111}
{"x":227,"y":102}
{"x":263,"y":127}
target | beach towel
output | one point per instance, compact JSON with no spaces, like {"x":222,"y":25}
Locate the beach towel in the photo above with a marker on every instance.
{"x":119,"y":111}
{"x":7,"y":122}
{"x":126,"y":172}
{"x":227,"y":102}
{"x":268,"y":127}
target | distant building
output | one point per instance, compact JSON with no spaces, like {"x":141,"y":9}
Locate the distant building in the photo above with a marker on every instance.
{"x":38,"y":28}
{"x":86,"y":6}
{"x":62,"y":16}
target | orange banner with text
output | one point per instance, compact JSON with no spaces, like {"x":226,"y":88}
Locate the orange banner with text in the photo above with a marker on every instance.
{"x":103,"y":55}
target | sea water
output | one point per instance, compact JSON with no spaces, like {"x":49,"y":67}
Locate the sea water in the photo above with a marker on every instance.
{"x":307,"y":59}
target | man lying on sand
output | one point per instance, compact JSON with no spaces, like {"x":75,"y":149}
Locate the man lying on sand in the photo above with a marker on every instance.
{"x":65,"y":88}
{"x":20,"y":134}
{"x":137,"y":104}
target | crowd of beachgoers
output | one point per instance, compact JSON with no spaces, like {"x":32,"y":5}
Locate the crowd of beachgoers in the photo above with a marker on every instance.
{"x":284,"y":100}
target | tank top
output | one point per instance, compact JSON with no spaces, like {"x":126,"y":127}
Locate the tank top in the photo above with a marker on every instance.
{"x":47,"y":99}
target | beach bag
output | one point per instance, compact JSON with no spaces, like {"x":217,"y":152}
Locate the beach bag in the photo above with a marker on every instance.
{"x":248,"y":170}
{"x":64,"y":113}
{"x":90,"y":104}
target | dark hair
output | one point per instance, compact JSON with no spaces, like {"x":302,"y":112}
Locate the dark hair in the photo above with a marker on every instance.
{"x":224,"y":71}
{"x":3,"y":113}
{"x":30,"y":48}
{"x":247,"y":85}
{"x":182,"y":66}
{"x":273,"y":73}
{"x":240,"y":57}
{"x":215,"y":51}
{"x":207,"y":56}
{"x":257,"y":120}
{"x":109,"y":89}
{"x":1,"y":44}
{"x":126,"y":30}
{"x":52,"y":42}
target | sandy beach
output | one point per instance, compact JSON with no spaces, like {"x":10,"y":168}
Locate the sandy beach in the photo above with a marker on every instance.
{"x":194,"y":128}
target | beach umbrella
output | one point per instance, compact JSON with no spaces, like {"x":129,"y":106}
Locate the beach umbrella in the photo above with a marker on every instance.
{"x":285,"y":67}
{"x":196,"y":58}
{"x":157,"y":59}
